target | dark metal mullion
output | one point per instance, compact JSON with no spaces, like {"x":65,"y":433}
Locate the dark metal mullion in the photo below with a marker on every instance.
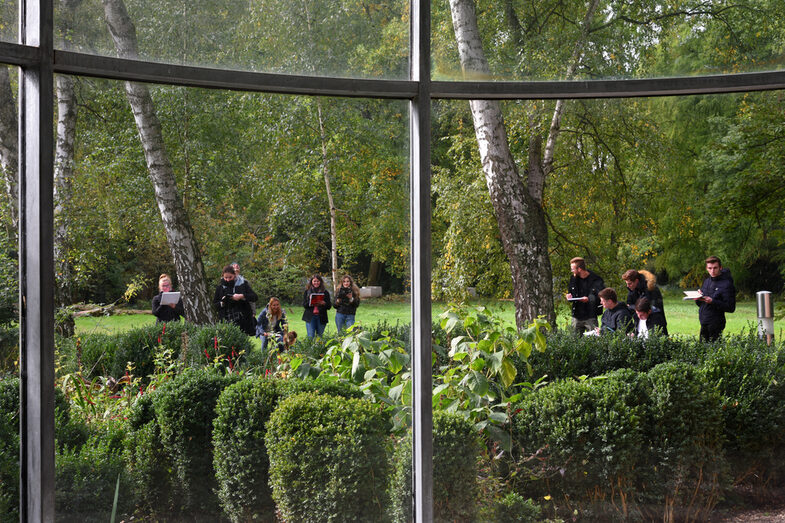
{"x":420,"y":181}
{"x":214,"y":78}
{"x":36,"y":266}
{"x":15,"y":54}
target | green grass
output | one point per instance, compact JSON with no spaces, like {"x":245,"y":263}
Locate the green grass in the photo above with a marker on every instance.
{"x":682,"y":316}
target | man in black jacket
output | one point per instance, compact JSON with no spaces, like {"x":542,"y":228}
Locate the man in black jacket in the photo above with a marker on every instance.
{"x":584,"y":289}
{"x":617,"y":317}
{"x":233,"y":301}
{"x":718,"y":296}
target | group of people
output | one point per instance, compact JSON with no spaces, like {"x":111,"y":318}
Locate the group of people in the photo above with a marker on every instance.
{"x":234,"y":299}
{"x":643,"y":312}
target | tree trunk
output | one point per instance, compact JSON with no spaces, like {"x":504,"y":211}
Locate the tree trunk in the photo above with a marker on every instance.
{"x":9,"y":148}
{"x":63,"y":177}
{"x":182,"y":244}
{"x":521,"y":218}
{"x":330,"y":201}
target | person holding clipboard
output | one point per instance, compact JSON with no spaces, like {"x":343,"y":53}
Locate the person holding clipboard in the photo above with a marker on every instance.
{"x":167,"y":305}
{"x":316,"y":301}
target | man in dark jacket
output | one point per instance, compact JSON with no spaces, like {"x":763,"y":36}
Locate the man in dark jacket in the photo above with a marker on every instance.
{"x":718,"y":296}
{"x":584,"y":288}
{"x":233,"y":301}
{"x":647,"y":321}
{"x":617,"y":317}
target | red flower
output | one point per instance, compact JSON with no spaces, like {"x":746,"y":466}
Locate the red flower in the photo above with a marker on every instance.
{"x":215,"y":342}
{"x":163,"y":331}
{"x":206,"y":354}
{"x":266,"y":373}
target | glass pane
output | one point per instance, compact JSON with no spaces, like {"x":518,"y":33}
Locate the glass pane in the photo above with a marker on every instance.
{"x":605,"y":39}
{"x":655,"y":185}
{"x":9,"y":21}
{"x":137,"y":398}
{"x":331,"y":38}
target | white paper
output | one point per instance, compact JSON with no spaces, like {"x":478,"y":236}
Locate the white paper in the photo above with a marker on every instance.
{"x":579,"y":298}
{"x":692,"y":295}
{"x":170,"y":298}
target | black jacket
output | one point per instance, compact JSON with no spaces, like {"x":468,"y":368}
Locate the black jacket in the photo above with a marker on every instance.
{"x":589,"y":286}
{"x":655,"y":321}
{"x":644,"y":290}
{"x":308,"y":312}
{"x":342,"y":302}
{"x":165,"y":312}
{"x":723,"y":295}
{"x":617,"y":318}
{"x":238,"y":312}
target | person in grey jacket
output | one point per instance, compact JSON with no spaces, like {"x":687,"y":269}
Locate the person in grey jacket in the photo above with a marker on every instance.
{"x":617,"y":317}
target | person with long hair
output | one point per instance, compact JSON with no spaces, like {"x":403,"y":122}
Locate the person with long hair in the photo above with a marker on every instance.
{"x":171,"y":311}
{"x":316,"y":302}
{"x":347,"y":299}
{"x":271,"y":323}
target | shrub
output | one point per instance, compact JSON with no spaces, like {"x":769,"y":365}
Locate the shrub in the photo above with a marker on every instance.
{"x":327,"y":458}
{"x":513,"y":508}
{"x":9,"y":348}
{"x":149,"y":467}
{"x":589,"y":438}
{"x":9,"y":448}
{"x":140,"y":346}
{"x":685,"y":432}
{"x":185,"y":409}
{"x":750,"y":378}
{"x":86,"y":478}
{"x":456,"y":448}
{"x":93,"y":354}
{"x":240,"y":456}
{"x":219,"y":340}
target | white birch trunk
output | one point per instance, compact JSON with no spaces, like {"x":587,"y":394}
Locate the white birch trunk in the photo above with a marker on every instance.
{"x":330,"y":201}
{"x":521,"y":218}
{"x":63,"y":181}
{"x":9,"y":148}
{"x":182,"y":244}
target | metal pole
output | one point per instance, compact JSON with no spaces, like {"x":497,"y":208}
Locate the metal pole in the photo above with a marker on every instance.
{"x":765,"y":316}
{"x":420,"y":182}
{"x":36,"y":266}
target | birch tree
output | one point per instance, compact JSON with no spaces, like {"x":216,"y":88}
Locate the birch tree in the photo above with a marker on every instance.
{"x":9,"y":155}
{"x":179,"y":234}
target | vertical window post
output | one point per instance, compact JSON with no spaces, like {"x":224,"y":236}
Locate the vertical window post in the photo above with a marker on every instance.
{"x":420,"y":180}
{"x":36,"y":266}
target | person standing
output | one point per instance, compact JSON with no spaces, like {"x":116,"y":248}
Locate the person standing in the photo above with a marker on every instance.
{"x":718,"y":296}
{"x":316,"y":301}
{"x":647,"y":321}
{"x":584,"y":290}
{"x":170,"y":312}
{"x":617,"y":317}
{"x":271,"y":323}
{"x":233,"y":301}
{"x":347,"y":299}
{"x":240,"y":280}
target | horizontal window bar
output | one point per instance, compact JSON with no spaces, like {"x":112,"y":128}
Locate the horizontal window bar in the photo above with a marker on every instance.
{"x":683,"y":85}
{"x":16,"y":54}
{"x":216,"y":78}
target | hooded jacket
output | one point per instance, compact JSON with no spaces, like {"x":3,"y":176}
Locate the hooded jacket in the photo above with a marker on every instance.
{"x":589,"y":286}
{"x":723,"y":296}
{"x":646,"y":288}
{"x":238,"y":312}
{"x":617,"y":318}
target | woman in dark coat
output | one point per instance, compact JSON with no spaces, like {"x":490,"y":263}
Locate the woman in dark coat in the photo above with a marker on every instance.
{"x":233,"y":301}
{"x":347,"y":299}
{"x":316,"y":301}
{"x":170,"y":312}
{"x":271,"y":323}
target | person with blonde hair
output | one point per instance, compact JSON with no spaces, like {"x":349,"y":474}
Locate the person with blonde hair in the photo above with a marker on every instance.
{"x":170,"y":312}
{"x":271,"y":323}
{"x":347,"y":299}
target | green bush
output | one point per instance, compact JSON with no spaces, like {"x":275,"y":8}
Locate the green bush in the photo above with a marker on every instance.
{"x":185,"y":409}
{"x":286,"y":283}
{"x":86,"y":478}
{"x":140,"y":346}
{"x":750,"y":377}
{"x":150,"y":468}
{"x":456,"y":449}
{"x":93,"y":354}
{"x":240,"y":456}
{"x":588,"y":437}
{"x":513,"y":508}
{"x":221,"y":339}
{"x":685,"y":432}
{"x":9,"y":348}
{"x":328,"y":459}
{"x":9,"y":448}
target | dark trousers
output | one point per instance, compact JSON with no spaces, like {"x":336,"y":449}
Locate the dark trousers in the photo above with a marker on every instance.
{"x":711,"y":331}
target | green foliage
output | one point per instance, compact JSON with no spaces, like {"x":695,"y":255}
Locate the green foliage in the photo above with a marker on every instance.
{"x":749,"y":377}
{"x":185,"y":409}
{"x":139,"y":347}
{"x":513,"y":508}
{"x":223,"y":342}
{"x":328,"y":459}
{"x":86,"y":478}
{"x":456,"y":448}
{"x":9,"y":448}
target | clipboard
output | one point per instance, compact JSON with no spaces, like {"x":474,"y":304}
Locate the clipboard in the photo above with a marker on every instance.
{"x":170,"y":298}
{"x":315,"y":299}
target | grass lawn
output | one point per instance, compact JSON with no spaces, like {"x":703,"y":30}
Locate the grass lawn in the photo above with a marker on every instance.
{"x":682,"y":316}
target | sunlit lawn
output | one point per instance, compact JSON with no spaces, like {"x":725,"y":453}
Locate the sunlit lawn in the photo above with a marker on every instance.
{"x":682,"y":316}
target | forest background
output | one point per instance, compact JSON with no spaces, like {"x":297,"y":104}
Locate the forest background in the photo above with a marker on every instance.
{"x":292,"y":185}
